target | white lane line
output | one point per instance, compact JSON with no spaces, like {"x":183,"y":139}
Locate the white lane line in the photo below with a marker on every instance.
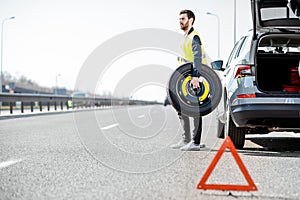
{"x":141,"y":116}
{"x":8,"y":163}
{"x":109,"y":127}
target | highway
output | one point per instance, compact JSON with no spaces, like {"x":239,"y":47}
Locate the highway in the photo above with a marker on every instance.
{"x":124,"y":153}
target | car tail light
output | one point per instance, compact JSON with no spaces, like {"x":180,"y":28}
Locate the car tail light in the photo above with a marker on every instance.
{"x":242,"y":96}
{"x":242,"y":71}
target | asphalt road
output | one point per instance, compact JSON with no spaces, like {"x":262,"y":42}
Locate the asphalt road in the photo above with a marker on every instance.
{"x":124,"y":153}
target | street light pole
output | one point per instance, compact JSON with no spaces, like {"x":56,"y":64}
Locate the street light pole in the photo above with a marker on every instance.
{"x":218,"y":19}
{"x":1,"y":61}
{"x":56,"y":90}
{"x":234,"y":22}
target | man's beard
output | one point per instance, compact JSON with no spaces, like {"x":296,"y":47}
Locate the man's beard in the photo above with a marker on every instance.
{"x":184,"y":27}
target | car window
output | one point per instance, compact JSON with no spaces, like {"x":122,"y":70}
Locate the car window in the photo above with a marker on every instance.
{"x":244,"y":51}
{"x":240,"y":47}
{"x":235,"y":50}
{"x":232,"y":53}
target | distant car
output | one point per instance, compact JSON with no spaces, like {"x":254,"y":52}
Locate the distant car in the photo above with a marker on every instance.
{"x":79,"y":94}
{"x":78,"y":100}
{"x":260,"y":79}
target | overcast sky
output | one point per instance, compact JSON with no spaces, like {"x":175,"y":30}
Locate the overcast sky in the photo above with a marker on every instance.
{"x":51,"y":37}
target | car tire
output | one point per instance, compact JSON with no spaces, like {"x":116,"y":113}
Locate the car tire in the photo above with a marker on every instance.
{"x":236,"y":134}
{"x":194,"y":109}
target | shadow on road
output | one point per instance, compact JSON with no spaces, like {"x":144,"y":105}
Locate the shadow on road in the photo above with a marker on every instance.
{"x":274,"y":147}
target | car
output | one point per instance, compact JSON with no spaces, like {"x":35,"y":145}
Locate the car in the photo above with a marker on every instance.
{"x":78,"y":100}
{"x":261,"y":83}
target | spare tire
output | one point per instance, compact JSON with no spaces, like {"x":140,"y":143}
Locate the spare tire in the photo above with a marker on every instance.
{"x":188,"y":101}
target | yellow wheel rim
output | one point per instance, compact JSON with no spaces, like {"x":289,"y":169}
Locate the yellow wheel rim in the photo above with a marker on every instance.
{"x":206,"y":91}
{"x":205,"y":84}
{"x":183,"y":88}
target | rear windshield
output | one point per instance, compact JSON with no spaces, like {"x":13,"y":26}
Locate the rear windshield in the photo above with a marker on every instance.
{"x":276,"y":13}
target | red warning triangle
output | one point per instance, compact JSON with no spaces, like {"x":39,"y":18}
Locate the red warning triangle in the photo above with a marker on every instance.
{"x":227,"y":144}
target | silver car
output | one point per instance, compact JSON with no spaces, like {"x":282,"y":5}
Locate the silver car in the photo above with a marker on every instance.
{"x":261,"y":77}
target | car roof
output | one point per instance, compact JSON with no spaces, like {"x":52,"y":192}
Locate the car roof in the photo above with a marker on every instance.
{"x":81,"y":94}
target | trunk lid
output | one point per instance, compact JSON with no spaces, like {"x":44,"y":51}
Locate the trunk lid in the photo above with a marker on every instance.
{"x":278,"y":14}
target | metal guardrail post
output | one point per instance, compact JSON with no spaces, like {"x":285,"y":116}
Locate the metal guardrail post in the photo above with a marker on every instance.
{"x":41,"y":106}
{"x":22,"y":106}
{"x":11,"y":107}
{"x":31,"y":106}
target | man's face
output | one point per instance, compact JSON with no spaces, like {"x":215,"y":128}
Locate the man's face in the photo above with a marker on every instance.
{"x":184,"y":22}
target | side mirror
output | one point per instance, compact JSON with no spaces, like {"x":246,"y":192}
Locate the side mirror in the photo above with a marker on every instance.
{"x":217,"y":65}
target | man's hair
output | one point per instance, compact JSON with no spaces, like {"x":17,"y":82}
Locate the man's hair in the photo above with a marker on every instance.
{"x":189,"y":14}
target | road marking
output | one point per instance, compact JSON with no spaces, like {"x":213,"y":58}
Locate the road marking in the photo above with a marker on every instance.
{"x":110,"y":126}
{"x":141,"y":116}
{"x":8,"y":163}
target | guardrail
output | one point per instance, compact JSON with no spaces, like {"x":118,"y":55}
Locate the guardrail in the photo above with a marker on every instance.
{"x":41,"y":101}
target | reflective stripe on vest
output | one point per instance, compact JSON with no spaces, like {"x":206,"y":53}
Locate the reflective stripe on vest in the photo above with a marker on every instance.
{"x":187,"y":47}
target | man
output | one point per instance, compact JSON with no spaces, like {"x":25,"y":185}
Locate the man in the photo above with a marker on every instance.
{"x":192,"y":52}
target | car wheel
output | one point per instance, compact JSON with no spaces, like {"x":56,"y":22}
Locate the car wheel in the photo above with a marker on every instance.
{"x":236,"y":134}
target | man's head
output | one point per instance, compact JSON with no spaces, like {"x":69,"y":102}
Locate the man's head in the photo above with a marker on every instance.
{"x":186,"y":19}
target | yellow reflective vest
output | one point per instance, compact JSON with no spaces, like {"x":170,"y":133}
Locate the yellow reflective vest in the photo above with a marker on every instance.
{"x":187,"y":48}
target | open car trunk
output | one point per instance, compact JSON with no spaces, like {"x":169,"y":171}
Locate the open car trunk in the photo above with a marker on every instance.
{"x":277,"y":64}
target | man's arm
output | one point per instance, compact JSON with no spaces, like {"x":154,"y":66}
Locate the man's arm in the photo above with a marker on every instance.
{"x":197,"y":62}
{"x":197,"y":52}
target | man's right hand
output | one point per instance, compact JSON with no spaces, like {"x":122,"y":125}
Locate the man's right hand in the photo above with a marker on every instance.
{"x":195,"y":83}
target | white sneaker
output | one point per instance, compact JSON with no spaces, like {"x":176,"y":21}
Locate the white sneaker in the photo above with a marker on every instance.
{"x":178,"y":145}
{"x":192,"y":147}
{"x":202,"y":145}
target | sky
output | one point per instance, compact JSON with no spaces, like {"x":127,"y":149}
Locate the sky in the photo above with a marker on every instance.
{"x":48,"y":41}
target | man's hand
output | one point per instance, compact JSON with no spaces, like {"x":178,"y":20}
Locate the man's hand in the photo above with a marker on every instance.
{"x":195,"y":83}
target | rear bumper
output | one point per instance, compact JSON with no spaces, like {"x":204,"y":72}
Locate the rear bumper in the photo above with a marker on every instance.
{"x":266,"y":115}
